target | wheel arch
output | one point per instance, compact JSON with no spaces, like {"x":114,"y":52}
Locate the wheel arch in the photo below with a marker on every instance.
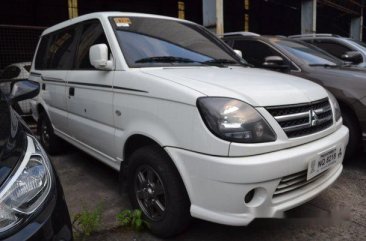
{"x":40,"y":109}
{"x":354,"y":126}
{"x":135,"y":142}
{"x":345,"y":107}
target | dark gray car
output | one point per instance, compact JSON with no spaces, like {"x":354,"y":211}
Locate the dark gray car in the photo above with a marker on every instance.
{"x":343,"y":48}
{"x":297,"y":58}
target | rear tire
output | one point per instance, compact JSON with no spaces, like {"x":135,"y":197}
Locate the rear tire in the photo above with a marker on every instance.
{"x":49,"y":141}
{"x":353,"y":146}
{"x":156,"y":188}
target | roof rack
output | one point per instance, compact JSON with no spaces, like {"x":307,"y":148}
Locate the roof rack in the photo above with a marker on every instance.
{"x":242,"y":33}
{"x":314,"y":35}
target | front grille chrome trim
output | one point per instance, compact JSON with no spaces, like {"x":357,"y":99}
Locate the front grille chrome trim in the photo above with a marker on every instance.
{"x":303,"y":119}
{"x":297,"y":127}
{"x":322,"y":110}
{"x":292,"y":116}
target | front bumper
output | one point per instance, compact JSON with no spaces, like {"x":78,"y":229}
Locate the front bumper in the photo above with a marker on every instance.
{"x":217,"y":185}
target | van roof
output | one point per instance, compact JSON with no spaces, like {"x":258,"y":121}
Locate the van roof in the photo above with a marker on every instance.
{"x":101,"y":15}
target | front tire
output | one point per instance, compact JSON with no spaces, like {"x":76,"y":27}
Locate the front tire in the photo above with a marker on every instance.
{"x":155,"y":187}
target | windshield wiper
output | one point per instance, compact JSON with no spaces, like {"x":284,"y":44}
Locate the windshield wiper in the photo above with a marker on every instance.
{"x":220,"y":61}
{"x":173,"y":59}
{"x":324,"y":65}
{"x":165,"y":59}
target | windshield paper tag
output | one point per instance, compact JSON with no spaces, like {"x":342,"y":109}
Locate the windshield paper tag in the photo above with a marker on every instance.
{"x":122,"y":22}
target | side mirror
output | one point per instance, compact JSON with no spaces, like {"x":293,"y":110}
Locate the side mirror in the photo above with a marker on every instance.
{"x":24,"y":89}
{"x":98,"y":56}
{"x":238,"y":52}
{"x":275,"y":62}
{"x":354,"y":57}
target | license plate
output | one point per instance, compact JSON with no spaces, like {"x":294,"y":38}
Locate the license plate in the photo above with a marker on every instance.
{"x":324,"y":161}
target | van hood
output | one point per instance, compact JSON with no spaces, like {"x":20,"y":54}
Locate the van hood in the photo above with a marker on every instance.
{"x":255,"y":86}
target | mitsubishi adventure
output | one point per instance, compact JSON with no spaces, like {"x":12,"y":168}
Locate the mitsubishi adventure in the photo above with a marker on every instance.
{"x":193,"y":131}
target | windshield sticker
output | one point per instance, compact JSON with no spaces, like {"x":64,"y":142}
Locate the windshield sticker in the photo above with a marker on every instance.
{"x":122,"y":22}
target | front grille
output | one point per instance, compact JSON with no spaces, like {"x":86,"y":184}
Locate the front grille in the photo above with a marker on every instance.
{"x":303,"y":119}
{"x":293,"y":182}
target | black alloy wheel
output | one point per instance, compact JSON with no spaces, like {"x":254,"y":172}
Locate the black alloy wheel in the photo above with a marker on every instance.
{"x":150,"y":193}
{"x":156,"y":188}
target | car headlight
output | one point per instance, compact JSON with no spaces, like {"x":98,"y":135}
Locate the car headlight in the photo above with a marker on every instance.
{"x":234,"y":120}
{"x":336,"y":108}
{"x":28,"y":187}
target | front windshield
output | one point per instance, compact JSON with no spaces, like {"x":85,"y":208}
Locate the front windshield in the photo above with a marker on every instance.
{"x":311,"y":55}
{"x":153,"y":42}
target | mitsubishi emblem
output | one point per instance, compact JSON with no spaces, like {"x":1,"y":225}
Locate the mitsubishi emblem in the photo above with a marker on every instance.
{"x":314,"y":120}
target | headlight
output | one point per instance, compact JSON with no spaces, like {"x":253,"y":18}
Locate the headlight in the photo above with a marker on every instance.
{"x":27,"y":189}
{"x":336,"y":108}
{"x":234,"y":120}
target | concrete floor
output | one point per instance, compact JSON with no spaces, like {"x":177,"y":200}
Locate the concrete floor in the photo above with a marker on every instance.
{"x":339,"y":213}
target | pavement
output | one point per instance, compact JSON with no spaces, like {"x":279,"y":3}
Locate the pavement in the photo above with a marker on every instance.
{"x":339,"y":213}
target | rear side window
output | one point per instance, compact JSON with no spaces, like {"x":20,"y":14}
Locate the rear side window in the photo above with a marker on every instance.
{"x":40,"y":61}
{"x":331,"y":47}
{"x":254,"y":52}
{"x":56,"y":50}
{"x":61,"y":50}
{"x":27,"y":67}
{"x":92,"y":33}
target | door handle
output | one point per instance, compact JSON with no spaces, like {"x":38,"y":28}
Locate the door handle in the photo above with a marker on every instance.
{"x":71,"y":91}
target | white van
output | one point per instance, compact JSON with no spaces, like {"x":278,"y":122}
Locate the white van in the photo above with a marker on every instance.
{"x":192,"y":129}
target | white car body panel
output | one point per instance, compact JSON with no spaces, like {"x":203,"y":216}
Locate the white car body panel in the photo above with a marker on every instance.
{"x":90,"y":113}
{"x":54,"y":95}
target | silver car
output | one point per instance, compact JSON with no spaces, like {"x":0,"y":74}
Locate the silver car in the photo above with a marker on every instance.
{"x":347,"y":49}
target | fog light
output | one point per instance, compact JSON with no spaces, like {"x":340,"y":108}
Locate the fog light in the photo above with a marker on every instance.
{"x":249,"y":197}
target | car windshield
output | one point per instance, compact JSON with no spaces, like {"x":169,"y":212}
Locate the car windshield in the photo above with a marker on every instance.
{"x":153,"y":42}
{"x":311,"y":55}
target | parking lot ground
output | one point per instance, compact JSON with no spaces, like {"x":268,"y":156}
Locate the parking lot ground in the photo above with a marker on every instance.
{"x":339,"y":213}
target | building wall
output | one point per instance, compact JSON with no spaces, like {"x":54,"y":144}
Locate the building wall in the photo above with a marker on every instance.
{"x":22,"y":21}
{"x":33,"y":12}
{"x":275,"y":17}
{"x":279,"y":17}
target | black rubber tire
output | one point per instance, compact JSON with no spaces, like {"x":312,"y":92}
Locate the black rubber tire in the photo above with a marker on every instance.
{"x":353,"y":146}
{"x":52,"y":145}
{"x":176,"y":217}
